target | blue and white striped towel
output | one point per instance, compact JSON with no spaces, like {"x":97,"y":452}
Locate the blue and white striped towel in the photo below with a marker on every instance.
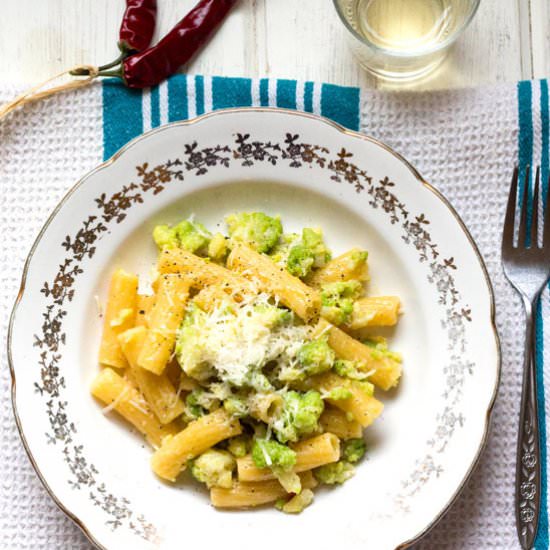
{"x":464,"y":142}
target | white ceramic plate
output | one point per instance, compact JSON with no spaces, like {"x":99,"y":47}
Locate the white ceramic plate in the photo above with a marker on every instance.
{"x":312,"y":173}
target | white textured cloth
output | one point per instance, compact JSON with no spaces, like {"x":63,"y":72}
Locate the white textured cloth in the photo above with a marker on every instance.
{"x":463,"y":142}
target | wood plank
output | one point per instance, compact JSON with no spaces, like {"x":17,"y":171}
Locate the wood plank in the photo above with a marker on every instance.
{"x":540,"y":38}
{"x":297,"y":39}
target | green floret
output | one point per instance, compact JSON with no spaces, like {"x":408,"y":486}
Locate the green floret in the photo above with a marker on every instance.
{"x":215,"y":468}
{"x":349,"y":369}
{"x":353,"y":450}
{"x":296,"y":504}
{"x":199,"y":401}
{"x":192,"y":236}
{"x":308,"y":253}
{"x":236,"y":407}
{"x":270,"y":454}
{"x":238,"y":446}
{"x":337,"y":472}
{"x":258,"y":382}
{"x":337,"y":300}
{"x":217,"y":248}
{"x":316,"y":357}
{"x":299,"y":415}
{"x":380,"y":349}
{"x":279,"y":253}
{"x":165,"y":237}
{"x":366,"y":387}
{"x":273,"y":316}
{"x":339,"y":393}
{"x":256,"y":229}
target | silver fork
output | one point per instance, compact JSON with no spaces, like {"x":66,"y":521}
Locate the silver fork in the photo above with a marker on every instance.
{"x":527,"y":267}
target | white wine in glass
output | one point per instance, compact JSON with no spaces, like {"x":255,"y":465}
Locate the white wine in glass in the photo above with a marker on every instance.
{"x":404,"y":39}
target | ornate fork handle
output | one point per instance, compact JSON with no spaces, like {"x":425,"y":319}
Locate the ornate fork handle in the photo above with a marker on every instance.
{"x":528,"y":457}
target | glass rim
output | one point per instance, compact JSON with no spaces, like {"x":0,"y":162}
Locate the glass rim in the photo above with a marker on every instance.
{"x":440,"y":46}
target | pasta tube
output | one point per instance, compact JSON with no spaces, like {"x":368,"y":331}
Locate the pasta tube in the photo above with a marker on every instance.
{"x":120,"y":315}
{"x":364,"y":408}
{"x":275,"y":280}
{"x":375,"y":311}
{"x":310,"y":453}
{"x":195,"y":439}
{"x":386,"y":370}
{"x":157,"y":390}
{"x":166,"y":317}
{"x":243,"y":495}
{"x":119,"y":394}
{"x":336,"y":421}
{"x":145,"y":303}
{"x":200,"y":272}
{"x":348,"y":266}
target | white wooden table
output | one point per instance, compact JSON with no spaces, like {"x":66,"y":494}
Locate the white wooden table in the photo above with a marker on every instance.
{"x":508,"y":40}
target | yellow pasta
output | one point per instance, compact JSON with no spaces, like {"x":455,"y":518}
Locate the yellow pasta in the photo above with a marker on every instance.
{"x":348,"y":266}
{"x":120,"y":315}
{"x":157,"y":389}
{"x":195,"y":439}
{"x":200,"y":272}
{"x":374,"y":311}
{"x":276,"y":280}
{"x":386,"y":370}
{"x":310,"y":453}
{"x":118,"y":394}
{"x":165,"y":318}
{"x":244,"y":495}
{"x":145,"y":303}
{"x":363,"y":407}
{"x":336,"y":421}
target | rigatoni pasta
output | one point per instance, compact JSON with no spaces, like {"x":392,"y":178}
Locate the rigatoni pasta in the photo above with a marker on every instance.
{"x":118,"y":394}
{"x":159,"y":392}
{"x":236,"y":370}
{"x":165,"y":318}
{"x":120,"y":315}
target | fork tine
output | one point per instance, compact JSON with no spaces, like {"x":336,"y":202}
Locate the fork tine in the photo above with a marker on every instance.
{"x":509,"y":220}
{"x":524,"y":208}
{"x":535,"y":217}
{"x":546,"y":220}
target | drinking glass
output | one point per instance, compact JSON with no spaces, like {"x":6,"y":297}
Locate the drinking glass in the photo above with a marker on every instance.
{"x":403,"y":39}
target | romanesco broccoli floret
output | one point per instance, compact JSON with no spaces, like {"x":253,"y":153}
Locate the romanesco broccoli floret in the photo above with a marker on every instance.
{"x":189,"y":344}
{"x":256,"y":229}
{"x":308,"y":253}
{"x":239,"y":446}
{"x":268,"y":453}
{"x":273,"y":316}
{"x":279,"y":253}
{"x":316,"y":357}
{"x":349,"y":369}
{"x":215,"y":468}
{"x":190,"y":235}
{"x":297,"y":503}
{"x":217,"y":248}
{"x":337,"y":300}
{"x":380,"y":349}
{"x":337,"y":472}
{"x":199,"y":401}
{"x":299,"y":415}
{"x":258,"y":381}
{"x":165,"y":237}
{"x":236,"y":406}
{"x":338,"y":393}
{"x":353,"y":450}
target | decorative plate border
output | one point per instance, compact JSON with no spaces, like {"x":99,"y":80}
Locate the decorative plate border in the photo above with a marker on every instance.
{"x":197,"y":161}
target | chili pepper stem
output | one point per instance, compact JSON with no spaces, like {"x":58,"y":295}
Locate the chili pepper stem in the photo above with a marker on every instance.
{"x":117,"y":61}
{"x":117,"y":73}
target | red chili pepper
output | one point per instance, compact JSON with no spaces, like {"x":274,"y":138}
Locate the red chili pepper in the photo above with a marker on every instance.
{"x":153,"y":65}
{"x":138,"y":25}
